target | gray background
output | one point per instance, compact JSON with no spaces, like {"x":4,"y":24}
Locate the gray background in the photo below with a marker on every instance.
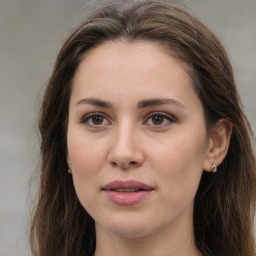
{"x":31,"y":32}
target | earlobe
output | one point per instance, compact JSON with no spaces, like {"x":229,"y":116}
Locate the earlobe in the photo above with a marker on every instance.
{"x":218,"y":145}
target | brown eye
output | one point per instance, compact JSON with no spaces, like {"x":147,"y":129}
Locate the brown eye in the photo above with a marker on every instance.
{"x":157,"y":120}
{"x":97,"y":120}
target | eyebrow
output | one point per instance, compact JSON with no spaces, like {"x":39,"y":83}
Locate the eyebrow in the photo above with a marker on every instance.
{"x":141,"y":104}
{"x":95,"y":102}
{"x":157,"y":102}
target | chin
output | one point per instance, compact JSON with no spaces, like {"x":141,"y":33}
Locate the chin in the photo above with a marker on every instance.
{"x":128,"y":232}
{"x":127,"y":227}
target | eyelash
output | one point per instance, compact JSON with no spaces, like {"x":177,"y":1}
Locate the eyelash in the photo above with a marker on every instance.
{"x":86,"y":119}
{"x":166,"y":117}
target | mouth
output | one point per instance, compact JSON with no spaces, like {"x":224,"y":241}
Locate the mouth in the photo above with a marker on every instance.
{"x":127,"y":192}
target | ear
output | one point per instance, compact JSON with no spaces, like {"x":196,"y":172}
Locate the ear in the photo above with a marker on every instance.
{"x":218,"y":144}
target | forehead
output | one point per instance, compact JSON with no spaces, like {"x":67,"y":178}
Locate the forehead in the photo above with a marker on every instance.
{"x":118,"y":69}
{"x":111,"y":52}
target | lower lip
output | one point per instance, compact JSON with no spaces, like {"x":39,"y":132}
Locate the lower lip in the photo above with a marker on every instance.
{"x":127,"y":198}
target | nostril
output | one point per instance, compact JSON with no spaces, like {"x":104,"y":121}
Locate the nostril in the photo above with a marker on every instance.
{"x":114,"y":164}
{"x":125,"y":166}
{"x":124,"y":158}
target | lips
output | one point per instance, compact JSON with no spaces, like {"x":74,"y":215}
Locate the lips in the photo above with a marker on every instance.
{"x":127,"y":185}
{"x":127,"y":192}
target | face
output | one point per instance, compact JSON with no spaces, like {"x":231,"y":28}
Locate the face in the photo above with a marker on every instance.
{"x":136,"y":138}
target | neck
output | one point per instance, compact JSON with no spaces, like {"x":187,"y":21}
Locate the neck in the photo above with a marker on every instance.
{"x":177,"y":242}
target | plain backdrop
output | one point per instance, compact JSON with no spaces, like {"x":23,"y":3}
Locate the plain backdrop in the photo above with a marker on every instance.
{"x":31,"y":33}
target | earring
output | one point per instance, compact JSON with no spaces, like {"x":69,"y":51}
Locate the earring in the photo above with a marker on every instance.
{"x":214,"y":168}
{"x":69,"y":169}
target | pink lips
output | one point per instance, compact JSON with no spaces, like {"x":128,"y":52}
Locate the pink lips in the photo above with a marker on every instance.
{"x":127,"y":192}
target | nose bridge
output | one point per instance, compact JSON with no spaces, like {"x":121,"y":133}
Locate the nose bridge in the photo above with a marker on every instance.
{"x":124,"y":138}
{"x":125,"y":149}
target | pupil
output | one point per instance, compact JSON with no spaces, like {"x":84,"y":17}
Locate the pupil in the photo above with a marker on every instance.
{"x":157,"y":120}
{"x":97,"y":120}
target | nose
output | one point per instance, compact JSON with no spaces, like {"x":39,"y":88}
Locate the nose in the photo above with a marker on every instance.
{"x":126,"y":151}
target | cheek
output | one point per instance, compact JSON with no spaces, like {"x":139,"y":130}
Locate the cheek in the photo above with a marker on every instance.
{"x":179,"y":162}
{"x":87,"y":161}
{"x":86,"y":154}
{"x":87,"y":157}
{"x":179,"y":150}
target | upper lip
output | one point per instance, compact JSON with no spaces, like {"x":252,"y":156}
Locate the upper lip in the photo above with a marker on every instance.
{"x":128,"y":184}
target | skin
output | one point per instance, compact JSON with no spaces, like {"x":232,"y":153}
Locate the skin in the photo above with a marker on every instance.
{"x":125,"y":142}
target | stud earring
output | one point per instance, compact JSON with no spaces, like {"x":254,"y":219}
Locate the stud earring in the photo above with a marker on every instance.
{"x":214,"y":168}
{"x":69,"y":168}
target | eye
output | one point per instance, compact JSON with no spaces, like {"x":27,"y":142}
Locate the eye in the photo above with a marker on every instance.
{"x":159,"y":120}
{"x":95,"y":120}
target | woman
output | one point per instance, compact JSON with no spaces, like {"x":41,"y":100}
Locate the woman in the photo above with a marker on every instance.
{"x":145,"y":147}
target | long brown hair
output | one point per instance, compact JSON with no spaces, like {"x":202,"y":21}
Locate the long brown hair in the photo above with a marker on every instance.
{"x":225,"y":201}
